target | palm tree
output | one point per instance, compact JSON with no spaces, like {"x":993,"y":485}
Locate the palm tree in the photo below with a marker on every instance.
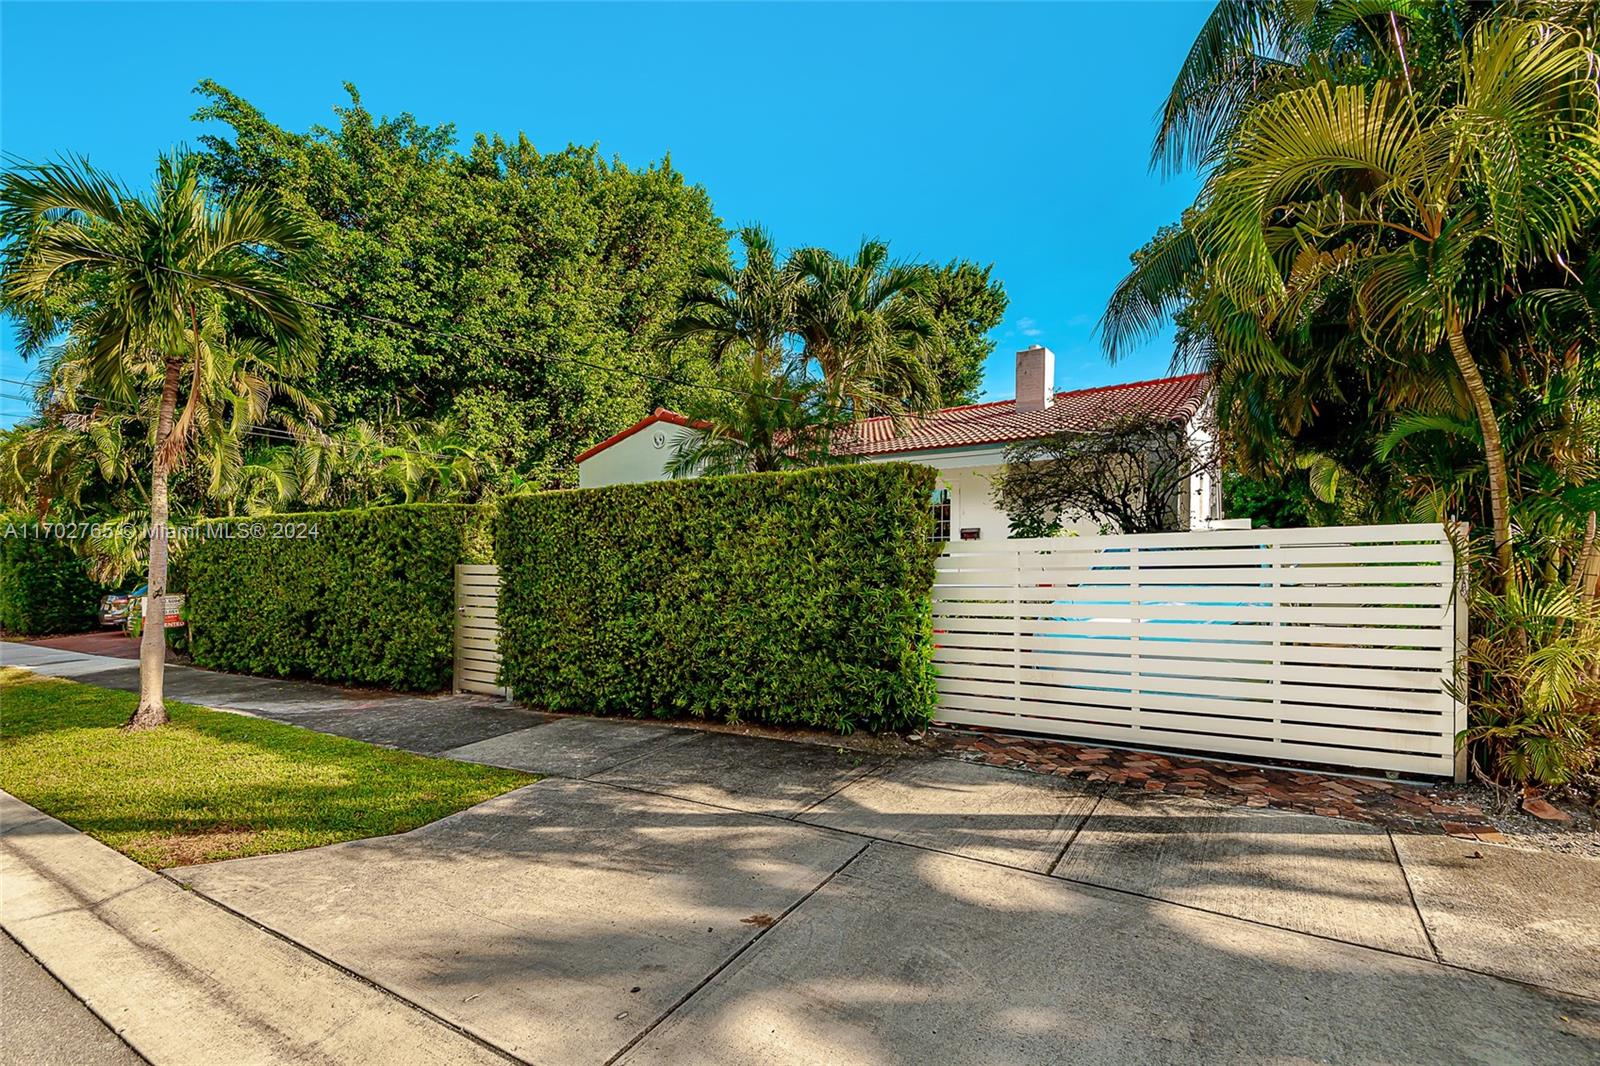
{"x":1398,"y":213}
{"x":1421,"y":211}
{"x":134,"y":280}
{"x":764,"y":421}
{"x":867,"y":325}
{"x":864,"y":323}
{"x":745,"y":311}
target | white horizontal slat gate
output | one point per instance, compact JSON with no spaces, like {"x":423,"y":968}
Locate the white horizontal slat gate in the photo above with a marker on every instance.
{"x":1330,"y":645}
{"x":478,"y":629}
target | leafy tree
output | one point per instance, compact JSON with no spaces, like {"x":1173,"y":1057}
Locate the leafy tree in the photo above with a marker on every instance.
{"x":147,"y":279}
{"x":769,"y":419}
{"x":1386,"y":207}
{"x":1271,"y":503}
{"x":748,"y":310}
{"x":866,"y":326}
{"x":966,"y":303}
{"x":518,"y":293}
{"x":767,"y":412}
{"x":1130,"y":476}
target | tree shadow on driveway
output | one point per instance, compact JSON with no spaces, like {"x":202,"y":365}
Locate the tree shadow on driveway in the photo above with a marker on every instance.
{"x":572,"y":921}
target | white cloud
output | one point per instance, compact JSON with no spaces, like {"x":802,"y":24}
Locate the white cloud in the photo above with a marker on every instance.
{"x":1028,"y":327}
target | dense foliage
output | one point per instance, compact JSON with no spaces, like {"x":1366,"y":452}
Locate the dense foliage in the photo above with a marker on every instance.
{"x":486,"y":310}
{"x":44,"y":587}
{"x":1391,"y":273}
{"x":798,"y":598}
{"x":365,"y":596}
{"x":501,"y":286}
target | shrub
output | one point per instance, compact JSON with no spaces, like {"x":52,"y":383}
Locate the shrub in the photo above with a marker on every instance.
{"x":1534,"y":668}
{"x":797,"y":598}
{"x":44,"y":587}
{"x":361,"y":596}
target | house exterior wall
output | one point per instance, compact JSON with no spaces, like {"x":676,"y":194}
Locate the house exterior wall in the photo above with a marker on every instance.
{"x":968,"y":474}
{"x":639,"y":457}
{"x":1203,"y":504}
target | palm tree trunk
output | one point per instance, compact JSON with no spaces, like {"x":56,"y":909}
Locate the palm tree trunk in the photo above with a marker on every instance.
{"x":1586,"y":571}
{"x":1494,"y":451}
{"x":152,"y":710}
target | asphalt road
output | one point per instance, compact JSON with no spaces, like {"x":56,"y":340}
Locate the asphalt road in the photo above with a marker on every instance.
{"x":42,"y":1024}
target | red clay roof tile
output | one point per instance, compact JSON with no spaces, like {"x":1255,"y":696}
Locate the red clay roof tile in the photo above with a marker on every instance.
{"x":1174,"y":399}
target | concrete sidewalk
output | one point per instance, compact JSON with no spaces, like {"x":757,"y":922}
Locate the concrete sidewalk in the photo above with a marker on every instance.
{"x":183,"y":981}
{"x":427,"y":725}
{"x":675,"y":896}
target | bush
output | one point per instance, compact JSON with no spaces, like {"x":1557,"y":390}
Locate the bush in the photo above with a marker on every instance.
{"x":44,"y":587}
{"x":798,"y":598}
{"x":360,"y":596}
{"x":1534,"y":684}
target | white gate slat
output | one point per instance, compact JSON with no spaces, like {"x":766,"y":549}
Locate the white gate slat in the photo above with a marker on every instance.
{"x":1187,"y":595}
{"x":1199,"y":697}
{"x":1404,"y":533}
{"x":1248,"y":634}
{"x":1400,"y":762}
{"x":1179,"y":612}
{"x":477,"y":636}
{"x":1415,"y":690}
{"x":1365,"y":725}
{"x":1304,"y":557}
{"x":1326,"y":645}
{"x":1200,"y":655}
{"x":1215,"y":577}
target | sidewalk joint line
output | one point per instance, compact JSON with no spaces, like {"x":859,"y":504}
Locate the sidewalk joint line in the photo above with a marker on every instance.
{"x":1099,"y":797}
{"x":808,"y":808}
{"x":1411,"y":894}
{"x":731,"y":959}
{"x":342,"y":968}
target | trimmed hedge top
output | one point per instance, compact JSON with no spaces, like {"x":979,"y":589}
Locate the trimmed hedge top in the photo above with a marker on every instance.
{"x":799,"y":598}
{"x":362,"y":596}
{"x":44,"y":586}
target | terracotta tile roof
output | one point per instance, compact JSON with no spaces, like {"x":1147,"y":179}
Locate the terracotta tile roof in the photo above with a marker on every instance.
{"x":1172,"y":399}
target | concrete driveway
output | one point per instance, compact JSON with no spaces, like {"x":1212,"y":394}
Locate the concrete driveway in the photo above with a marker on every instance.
{"x":681,"y":897}
{"x":689,"y":897}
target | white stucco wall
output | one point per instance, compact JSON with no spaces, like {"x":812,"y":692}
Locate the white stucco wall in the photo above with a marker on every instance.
{"x":640,"y":457}
{"x":967,"y":472}
{"x":1204,"y":503}
{"x":969,"y":475}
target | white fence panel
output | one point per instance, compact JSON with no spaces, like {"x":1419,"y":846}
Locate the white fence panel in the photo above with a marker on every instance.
{"x":1331,"y":645}
{"x":478,"y":629}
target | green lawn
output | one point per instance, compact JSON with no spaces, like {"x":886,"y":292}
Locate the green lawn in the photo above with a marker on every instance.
{"x":213,"y":785}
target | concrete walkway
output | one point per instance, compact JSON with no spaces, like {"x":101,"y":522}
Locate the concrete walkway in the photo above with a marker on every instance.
{"x":676,"y":896}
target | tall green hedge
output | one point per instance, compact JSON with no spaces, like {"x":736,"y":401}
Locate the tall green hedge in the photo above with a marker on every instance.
{"x":44,"y":587}
{"x":801,"y":598}
{"x":362,"y":596}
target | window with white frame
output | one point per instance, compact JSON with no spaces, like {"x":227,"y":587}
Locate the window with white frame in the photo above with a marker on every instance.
{"x":941,"y":514}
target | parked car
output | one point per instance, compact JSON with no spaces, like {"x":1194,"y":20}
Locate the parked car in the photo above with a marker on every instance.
{"x":116,"y":607}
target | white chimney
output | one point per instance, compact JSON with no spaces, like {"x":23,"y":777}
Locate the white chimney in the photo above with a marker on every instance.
{"x":1036,"y":378}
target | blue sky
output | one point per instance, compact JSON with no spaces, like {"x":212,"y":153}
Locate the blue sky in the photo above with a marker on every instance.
{"x":1017,"y":134}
